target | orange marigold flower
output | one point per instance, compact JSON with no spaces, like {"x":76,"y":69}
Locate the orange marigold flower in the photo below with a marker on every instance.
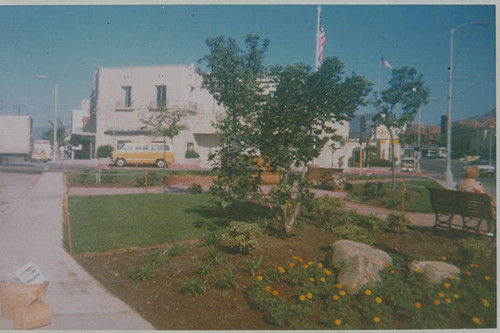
{"x":339,"y":286}
{"x":292,"y":265}
{"x":468,"y":273}
{"x":320,"y":265}
{"x":437,"y":302}
{"x":446,"y":285}
{"x":328,"y":272}
{"x":310,"y":263}
{"x":312,"y":279}
{"x":393,"y":272}
{"x":322,"y":279}
{"x":476,"y":320}
{"x":418,"y":305}
{"x":309,"y":295}
{"x":487,"y":278}
{"x":259,"y":278}
{"x":301,"y":260}
{"x":276,"y":293}
{"x":378,"y":300}
{"x":342,"y":293}
{"x":456,"y":296}
{"x":443,"y":258}
{"x":335,"y":297}
{"x":387,"y":265}
{"x":338,"y":322}
{"x":306,"y":266}
{"x":452,"y":277}
{"x":302,"y":298}
{"x":448,"y":300}
{"x":441,"y":294}
{"x":485,"y":302}
{"x":376,"y":319}
{"x":295,"y":257}
{"x":280,"y":268}
{"x":268,"y":288}
{"x":368,"y":292}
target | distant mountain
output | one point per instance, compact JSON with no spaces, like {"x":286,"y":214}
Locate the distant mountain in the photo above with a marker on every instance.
{"x":486,"y":116}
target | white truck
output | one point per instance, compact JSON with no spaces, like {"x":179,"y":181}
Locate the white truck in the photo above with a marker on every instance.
{"x":15,"y":136}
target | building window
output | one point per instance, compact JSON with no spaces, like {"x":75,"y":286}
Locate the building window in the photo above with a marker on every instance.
{"x":128,"y":96}
{"x":161,"y":96}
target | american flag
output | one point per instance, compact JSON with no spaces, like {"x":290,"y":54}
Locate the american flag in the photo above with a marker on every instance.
{"x":385,"y":63}
{"x":321,"y":44}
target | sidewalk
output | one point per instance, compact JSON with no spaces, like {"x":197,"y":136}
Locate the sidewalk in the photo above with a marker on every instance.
{"x":32,"y":231}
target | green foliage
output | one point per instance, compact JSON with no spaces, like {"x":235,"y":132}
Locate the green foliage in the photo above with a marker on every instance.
{"x":325,"y":208}
{"x":104,"y":151}
{"x":194,"y":189}
{"x":212,"y":239}
{"x":473,"y":250}
{"x":372,"y":190}
{"x":191,"y":154}
{"x":243,"y":236}
{"x":375,"y":162}
{"x":164,"y":122}
{"x":203,"y":269}
{"x":145,"y":272}
{"x":193,"y":286}
{"x":176,"y":250}
{"x":391,"y":201}
{"x":398,"y":223}
{"x":227,"y":279}
{"x":108,"y":176}
{"x":152,"y":179}
{"x":354,"y":232}
{"x":253,"y":265}
{"x":212,"y":257}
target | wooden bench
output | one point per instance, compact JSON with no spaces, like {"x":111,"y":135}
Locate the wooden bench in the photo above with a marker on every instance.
{"x":327,"y":177}
{"x":474,"y":209}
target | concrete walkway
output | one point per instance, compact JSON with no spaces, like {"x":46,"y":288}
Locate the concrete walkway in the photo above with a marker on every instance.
{"x":31,"y":230}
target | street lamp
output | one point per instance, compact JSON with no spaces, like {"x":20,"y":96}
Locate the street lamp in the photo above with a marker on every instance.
{"x":55,"y":145}
{"x":448,"y":174}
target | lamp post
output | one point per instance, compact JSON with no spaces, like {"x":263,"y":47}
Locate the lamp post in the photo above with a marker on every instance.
{"x":55,"y":152}
{"x":448,"y":174}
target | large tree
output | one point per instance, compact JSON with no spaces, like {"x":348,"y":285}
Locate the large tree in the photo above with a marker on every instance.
{"x":398,"y":104}
{"x":283,"y":118}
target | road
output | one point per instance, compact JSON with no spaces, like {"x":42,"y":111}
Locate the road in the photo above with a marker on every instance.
{"x":437,"y":168}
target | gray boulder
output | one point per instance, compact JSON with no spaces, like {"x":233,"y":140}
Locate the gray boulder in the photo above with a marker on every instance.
{"x":435,"y":271}
{"x":359,"y":264}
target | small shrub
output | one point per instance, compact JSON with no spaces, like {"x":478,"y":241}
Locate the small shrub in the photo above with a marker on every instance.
{"x":243,"y":236}
{"x":108,"y":176}
{"x":398,"y":223}
{"x":194,"y":189}
{"x":145,"y":272}
{"x":194,"y":286}
{"x":212,"y":239}
{"x":326,"y":207}
{"x":391,"y":201}
{"x":191,"y":154}
{"x":227,"y":279}
{"x":203,"y":269}
{"x":104,"y":151}
{"x":157,"y":259}
{"x":473,"y":250}
{"x":153,"y":179}
{"x":354,"y":233}
{"x":372,"y":190}
{"x":348,"y":186}
{"x":212,"y":257}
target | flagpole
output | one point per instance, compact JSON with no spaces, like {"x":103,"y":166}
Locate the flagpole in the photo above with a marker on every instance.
{"x":317,"y":38}
{"x":379,"y":70}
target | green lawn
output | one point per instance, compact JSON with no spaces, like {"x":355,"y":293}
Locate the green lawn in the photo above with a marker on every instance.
{"x":103,"y":223}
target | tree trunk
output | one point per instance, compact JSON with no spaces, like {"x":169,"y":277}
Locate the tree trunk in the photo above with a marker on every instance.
{"x":290,"y":223}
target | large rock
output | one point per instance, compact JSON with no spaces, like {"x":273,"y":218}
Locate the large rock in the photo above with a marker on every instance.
{"x":435,"y":271}
{"x":359,"y":263}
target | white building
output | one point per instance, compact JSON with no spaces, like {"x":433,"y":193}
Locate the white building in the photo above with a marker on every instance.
{"x":123,"y":96}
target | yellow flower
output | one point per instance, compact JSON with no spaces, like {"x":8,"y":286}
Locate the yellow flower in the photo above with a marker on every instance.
{"x":376,"y":319}
{"x":443,"y":258}
{"x":309,"y":295}
{"x":392,"y":298}
{"x":302,"y":298}
{"x":487,"y":278}
{"x":474,"y":265}
{"x":328,"y":272}
{"x":268,"y":288}
{"x":437,"y":302}
{"x":418,"y":305}
{"x":295,"y":257}
{"x":368,"y":292}
{"x":335,"y":297}
{"x":456,"y":296}
{"x":476,"y":320}
{"x":339,"y":286}
{"x":446,"y":285}
{"x":320,"y":265}
{"x":280,"y":268}
{"x":259,"y":278}
{"x":342,"y":293}
{"x":322,"y":280}
{"x":312,"y":279}
{"x":337,"y":322}
{"x":485,"y":302}
{"x":276,"y":293}
{"x":310,"y":263}
{"x":441,"y":294}
{"x":306,"y":266}
{"x":387,"y":265}
{"x":468,"y":273}
{"x":448,"y":300}
{"x":378,"y":300}
{"x":292,"y":265}
{"x":393,"y":272}
{"x":301,"y":260}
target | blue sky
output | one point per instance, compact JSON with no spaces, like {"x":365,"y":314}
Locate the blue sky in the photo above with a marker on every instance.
{"x":68,"y":43}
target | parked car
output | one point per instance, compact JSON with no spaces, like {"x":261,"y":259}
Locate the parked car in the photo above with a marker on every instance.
{"x":144,"y":153}
{"x":484,"y":167}
{"x":408,"y":164}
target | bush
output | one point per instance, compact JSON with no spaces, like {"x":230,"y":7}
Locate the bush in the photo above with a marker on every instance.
{"x":473,"y":250}
{"x":227,"y":279}
{"x":379,"y":163}
{"x":354,"y":233}
{"x":391,"y":201}
{"x":398,"y":223}
{"x":373,"y":190}
{"x":194,"y":286}
{"x":153,"y":179}
{"x":192,"y":154}
{"x":108,"y":176}
{"x":241,"y":235}
{"x":104,"y":151}
{"x":194,"y":189}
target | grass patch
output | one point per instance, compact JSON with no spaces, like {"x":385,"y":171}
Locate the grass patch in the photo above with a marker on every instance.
{"x":417,"y":198}
{"x":103,"y":223}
